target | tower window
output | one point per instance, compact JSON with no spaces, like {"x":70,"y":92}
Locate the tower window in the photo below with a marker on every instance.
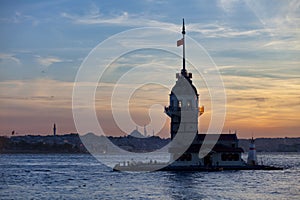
{"x":189,"y":103}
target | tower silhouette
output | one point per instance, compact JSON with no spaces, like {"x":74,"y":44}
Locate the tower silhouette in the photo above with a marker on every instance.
{"x":184,"y":100}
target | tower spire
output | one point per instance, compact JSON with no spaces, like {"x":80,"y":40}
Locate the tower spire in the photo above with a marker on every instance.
{"x":179,"y":43}
{"x":183,"y":71}
{"x":183,"y":27}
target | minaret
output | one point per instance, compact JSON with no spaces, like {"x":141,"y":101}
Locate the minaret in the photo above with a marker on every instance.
{"x":145,"y":131}
{"x":54,"y":129}
{"x":184,"y":100}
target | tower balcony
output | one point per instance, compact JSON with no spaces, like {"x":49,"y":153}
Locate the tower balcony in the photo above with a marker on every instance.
{"x":171,"y":111}
{"x":176,"y":111}
{"x":201,"y":110}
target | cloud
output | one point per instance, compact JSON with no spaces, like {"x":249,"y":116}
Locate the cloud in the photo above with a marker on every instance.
{"x":268,"y":24}
{"x":12,"y":57}
{"x":19,"y":17}
{"x":277,"y":21}
{"x":39,"y":92}
{"x":280,"y":19}
{"x":97,"y":19}
{"x":123,"y":19}
{"x":47,"y":61}
{"x":264,"y":103}
{"x":211,"y":30}
{"x":218,"y":30}
{"x":228,"y":5}
{"x":256,"y":42}
{"x":29,"y":106}
{"x":287,"y":44}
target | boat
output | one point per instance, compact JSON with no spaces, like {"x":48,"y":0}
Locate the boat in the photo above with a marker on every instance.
{"x":189,"y":150}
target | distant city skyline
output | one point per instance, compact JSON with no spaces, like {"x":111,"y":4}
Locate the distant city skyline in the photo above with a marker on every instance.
{"x":255,"y":45}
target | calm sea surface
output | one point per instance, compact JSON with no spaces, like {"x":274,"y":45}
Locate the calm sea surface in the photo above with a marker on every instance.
{"x":72,"y":176}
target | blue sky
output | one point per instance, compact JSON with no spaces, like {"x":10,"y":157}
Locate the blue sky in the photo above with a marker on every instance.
{"x":255,"y":44}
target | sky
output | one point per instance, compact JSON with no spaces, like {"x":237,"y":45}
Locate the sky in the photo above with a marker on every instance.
{"x":254,"y":44}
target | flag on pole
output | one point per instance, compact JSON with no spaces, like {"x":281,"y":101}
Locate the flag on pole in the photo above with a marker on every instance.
{"x":180,"y":42}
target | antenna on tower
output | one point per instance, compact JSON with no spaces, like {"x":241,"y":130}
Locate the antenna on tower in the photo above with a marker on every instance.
{"x":183,"y":47}
{"x":179,"y":43}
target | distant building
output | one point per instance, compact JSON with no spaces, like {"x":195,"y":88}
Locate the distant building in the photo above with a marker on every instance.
{"x":135,"y":133}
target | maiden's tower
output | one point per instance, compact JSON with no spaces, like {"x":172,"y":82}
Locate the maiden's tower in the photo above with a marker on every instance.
{"x":184,"y":112}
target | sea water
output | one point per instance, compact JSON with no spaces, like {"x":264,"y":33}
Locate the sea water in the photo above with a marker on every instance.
{"x":81,"y":176}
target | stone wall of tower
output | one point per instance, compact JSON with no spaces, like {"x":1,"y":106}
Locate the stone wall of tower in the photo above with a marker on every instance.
{"x":183,"y":109}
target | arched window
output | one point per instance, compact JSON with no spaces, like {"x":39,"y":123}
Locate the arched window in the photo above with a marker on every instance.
{"x":179,"y":103}
{"x":189,"y":103}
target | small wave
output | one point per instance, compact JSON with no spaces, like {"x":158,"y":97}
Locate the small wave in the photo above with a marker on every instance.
{"x":42,"y":170}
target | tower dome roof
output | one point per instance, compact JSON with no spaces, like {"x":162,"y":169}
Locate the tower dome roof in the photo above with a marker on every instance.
{"x":184,"y":86}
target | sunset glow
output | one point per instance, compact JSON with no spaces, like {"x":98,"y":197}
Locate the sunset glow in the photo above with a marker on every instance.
{"x":255,"y":46}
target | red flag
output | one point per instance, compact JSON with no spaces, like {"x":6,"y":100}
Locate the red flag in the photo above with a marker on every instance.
{"x":180,"y":42}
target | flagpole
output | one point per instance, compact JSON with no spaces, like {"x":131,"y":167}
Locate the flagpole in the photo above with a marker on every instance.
{"x":183,"y":46}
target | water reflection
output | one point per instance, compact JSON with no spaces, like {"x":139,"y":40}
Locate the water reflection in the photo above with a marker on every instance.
{"x":82,"y":176}
{"x":184,"y":185}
